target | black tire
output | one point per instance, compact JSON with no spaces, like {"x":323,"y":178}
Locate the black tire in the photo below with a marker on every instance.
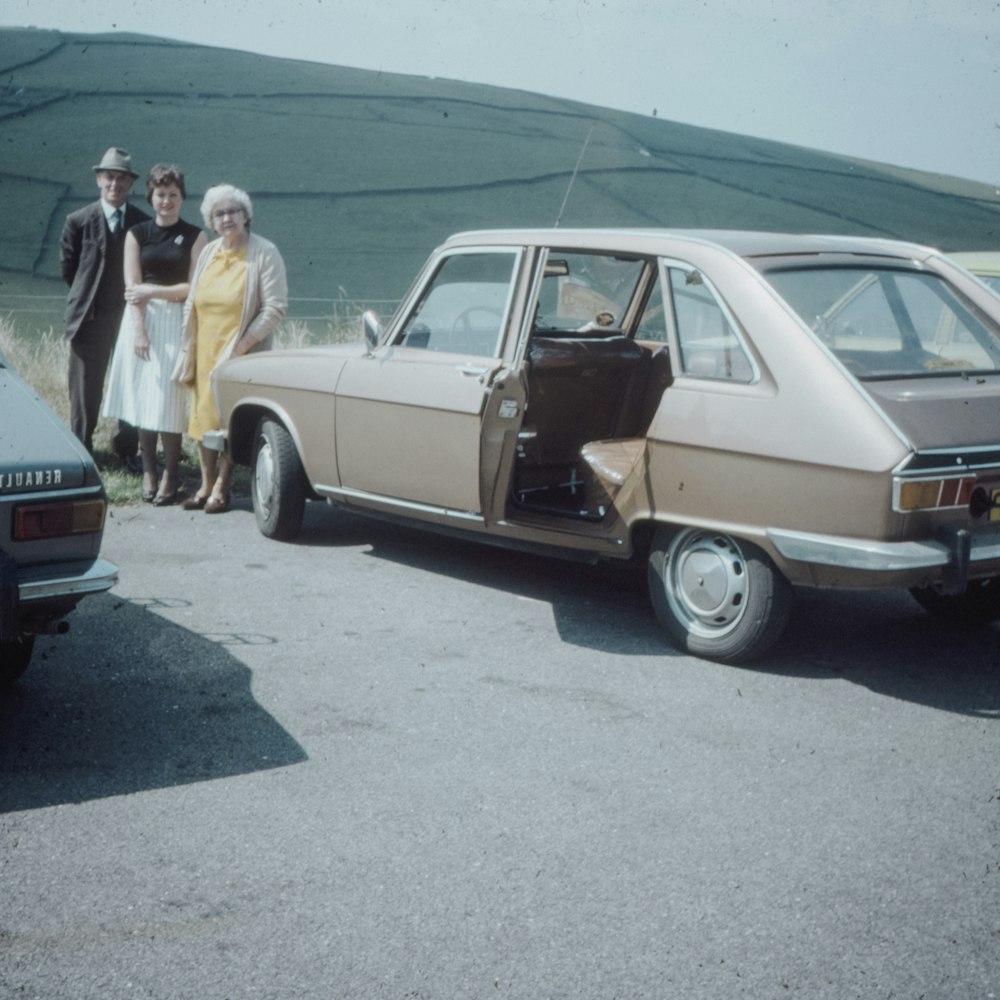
{"x":719,"y":598}
{"x":979,"y":605}
{"x":278,"y":485}
{"x":14,"y":659}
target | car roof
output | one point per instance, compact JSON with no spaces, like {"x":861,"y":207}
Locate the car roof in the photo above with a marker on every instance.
{"x":744,"y":243}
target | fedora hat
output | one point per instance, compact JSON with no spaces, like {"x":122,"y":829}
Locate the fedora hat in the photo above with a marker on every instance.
{"x":117,"y":159}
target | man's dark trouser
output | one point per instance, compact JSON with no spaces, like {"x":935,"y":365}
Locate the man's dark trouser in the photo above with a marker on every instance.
{"x":89,"y":353}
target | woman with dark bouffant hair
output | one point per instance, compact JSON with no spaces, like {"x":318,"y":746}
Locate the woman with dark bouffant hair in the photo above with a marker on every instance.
{"x":159,"y":261}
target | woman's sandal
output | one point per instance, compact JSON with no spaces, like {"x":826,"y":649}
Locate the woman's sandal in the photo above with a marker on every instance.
{"x":216,"y":506}
{"x":194,"y":503}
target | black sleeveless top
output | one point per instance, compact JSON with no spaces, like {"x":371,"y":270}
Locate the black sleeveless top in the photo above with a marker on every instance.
{"x":165,"y":251}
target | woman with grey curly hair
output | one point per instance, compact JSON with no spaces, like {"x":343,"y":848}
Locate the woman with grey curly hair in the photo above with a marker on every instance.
{"x":238,"y":296}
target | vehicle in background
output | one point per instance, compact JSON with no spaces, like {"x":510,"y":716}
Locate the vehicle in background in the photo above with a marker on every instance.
{"x":984,"y":264}
{"x":52,"y":510}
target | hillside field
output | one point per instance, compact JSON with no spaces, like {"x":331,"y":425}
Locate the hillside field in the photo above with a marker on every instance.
{"x":357,"y":175}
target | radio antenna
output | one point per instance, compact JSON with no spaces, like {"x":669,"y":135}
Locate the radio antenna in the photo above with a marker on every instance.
{"x":576,"y":169}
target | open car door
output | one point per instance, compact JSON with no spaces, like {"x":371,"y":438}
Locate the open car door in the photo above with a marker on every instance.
{"x":410,"y":415}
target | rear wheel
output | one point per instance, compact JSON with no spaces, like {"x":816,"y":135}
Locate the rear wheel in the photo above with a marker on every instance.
{"x":719,"y":598}
{"x":14,"y":659}
{"x":978,"y":605}
{"x":279,"y":483}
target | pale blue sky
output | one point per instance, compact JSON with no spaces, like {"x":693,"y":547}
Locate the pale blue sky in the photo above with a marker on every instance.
{"x":910,"y":82}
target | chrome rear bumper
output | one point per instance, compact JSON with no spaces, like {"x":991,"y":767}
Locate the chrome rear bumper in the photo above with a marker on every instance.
{"x":29,"y":591}
{"x":49,"y":582}
{"x":950,"y":558}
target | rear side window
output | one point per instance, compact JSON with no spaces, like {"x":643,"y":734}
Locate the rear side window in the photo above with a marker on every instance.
{"x":710,"y":345}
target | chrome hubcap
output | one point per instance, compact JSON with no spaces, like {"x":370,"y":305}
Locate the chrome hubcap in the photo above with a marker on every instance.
{"x":706,"y":582}
{"x":263,"y":478}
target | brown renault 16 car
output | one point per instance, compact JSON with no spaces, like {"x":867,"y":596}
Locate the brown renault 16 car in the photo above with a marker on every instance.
{"x":745,"y":411}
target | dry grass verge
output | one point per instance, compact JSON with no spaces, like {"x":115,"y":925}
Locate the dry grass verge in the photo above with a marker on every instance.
{"x":41,"y":359}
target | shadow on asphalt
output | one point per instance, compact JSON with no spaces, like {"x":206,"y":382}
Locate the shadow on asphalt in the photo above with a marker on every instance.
{"x":885,"y":642}
{"x":134,"y":703}
{"x":604,"y":607}
{"x":879,"y":639}
{"x":137,"y":703}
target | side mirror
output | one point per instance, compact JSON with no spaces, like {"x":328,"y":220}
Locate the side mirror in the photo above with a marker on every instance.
{"x":372,"y":329}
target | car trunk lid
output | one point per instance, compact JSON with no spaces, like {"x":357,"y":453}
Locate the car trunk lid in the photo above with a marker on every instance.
{"x":37,"y":453}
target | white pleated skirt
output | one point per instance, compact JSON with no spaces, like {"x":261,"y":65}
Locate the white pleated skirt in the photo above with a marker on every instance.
{"x":140,"y":392}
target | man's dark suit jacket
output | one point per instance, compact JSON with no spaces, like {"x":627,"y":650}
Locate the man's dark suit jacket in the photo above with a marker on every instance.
{"x":82,"y":253}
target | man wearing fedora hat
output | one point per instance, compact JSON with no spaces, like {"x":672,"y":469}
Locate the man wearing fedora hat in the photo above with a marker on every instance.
{"x":92,"y":250}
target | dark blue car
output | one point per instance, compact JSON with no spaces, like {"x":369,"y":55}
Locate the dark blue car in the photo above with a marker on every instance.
{"x":52,"y":510}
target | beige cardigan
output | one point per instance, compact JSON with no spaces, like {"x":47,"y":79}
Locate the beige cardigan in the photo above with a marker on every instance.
{"x":265,"y":301}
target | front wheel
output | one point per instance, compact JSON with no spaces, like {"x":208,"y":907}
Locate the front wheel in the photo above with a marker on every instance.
{"x":279,"y":483}
{"x":14,"y":659}
{"x":719,"y":598}
{"x":979,"y":604}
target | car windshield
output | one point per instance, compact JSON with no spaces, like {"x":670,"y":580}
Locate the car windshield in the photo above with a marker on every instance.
{"x":891,"y":323}
{"x":581,"y":291}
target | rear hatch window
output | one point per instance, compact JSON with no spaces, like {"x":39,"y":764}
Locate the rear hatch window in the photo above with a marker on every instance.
{"x":891,"y":323}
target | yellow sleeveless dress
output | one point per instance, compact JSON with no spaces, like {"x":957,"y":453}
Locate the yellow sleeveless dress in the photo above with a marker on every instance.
{"x":218,"y":305}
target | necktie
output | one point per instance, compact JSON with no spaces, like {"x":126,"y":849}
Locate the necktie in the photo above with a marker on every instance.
{"x":116,"y":220}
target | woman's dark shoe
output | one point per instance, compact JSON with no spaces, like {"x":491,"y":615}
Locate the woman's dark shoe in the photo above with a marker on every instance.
{"x":194,"y":503}
{"x":216,"y":506}
{"x":149,"y":486}
{"x":165,"y":499}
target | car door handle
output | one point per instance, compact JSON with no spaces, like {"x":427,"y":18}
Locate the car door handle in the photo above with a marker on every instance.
{"x":472,"y":371}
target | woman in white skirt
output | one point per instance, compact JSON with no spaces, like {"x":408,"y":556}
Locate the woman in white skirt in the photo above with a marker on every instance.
{"x":159,"y":260}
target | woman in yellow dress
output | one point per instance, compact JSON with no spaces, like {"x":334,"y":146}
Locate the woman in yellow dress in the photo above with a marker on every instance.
{"x":238,"y":296}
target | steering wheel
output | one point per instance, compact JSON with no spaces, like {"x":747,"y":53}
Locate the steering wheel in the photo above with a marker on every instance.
{"x":464,"y":320}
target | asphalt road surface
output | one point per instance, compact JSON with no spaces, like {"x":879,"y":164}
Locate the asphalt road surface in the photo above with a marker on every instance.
{"x":379,"y":764}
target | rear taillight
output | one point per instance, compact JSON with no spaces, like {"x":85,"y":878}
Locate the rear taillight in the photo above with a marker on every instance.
{"x":933,"y":494}
{"x":57,"y":520}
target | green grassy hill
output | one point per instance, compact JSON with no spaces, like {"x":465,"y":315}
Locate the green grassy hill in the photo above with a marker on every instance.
{"x":356,"y":175}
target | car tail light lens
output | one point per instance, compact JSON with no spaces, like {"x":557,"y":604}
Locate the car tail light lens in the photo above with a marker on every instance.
{"x":932,"y":494}
{"x":57,"y":520}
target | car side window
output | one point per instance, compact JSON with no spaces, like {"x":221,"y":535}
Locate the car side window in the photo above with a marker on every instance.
{"x":583,"y":292}
{"x":463,"y":308}
{"x":709,"y":345}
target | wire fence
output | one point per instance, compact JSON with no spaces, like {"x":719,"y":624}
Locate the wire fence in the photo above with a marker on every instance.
{"x":17,"y":304}
{"x":325,"y":318}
